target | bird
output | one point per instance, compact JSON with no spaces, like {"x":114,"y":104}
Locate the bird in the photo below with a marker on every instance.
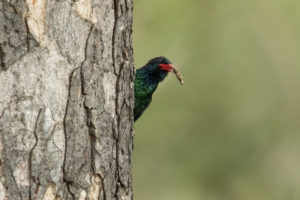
{"x":147,"y":79}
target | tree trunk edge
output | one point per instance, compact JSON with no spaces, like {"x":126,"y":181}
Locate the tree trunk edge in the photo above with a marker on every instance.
{"x":66,"y":110}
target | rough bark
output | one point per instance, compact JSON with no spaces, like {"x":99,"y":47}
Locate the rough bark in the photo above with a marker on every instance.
{"x":66,"y":99}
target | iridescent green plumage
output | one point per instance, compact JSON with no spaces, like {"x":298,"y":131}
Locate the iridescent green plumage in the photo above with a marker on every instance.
{"x":146,"y":81}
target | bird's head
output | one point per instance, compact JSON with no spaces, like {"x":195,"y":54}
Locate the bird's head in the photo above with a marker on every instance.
{"x":160,"y":64}
{"x":160,"y":67}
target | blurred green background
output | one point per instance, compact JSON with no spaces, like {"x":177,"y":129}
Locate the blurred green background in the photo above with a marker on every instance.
{"x":232,"y":131}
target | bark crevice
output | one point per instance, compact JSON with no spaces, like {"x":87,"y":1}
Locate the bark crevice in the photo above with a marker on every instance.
{"x":2,"y":56}
{"x":31,"y":151}
{"x":15,"y":183}
{"x":65,"y":180}
{"x":114,"y":35}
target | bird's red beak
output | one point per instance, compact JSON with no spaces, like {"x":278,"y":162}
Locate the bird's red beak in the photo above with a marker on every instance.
{"x":171,"y":68}
{"x":167,"y":67}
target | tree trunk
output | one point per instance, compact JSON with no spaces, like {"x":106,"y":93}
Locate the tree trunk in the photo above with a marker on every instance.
{"x":66,"y":99}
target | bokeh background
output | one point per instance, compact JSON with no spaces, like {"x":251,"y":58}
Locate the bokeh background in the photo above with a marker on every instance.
{"x":232,"y":132}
